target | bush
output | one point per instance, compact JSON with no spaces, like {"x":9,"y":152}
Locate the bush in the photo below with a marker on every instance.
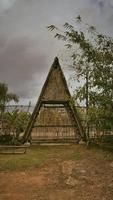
{"x":107,"y":139}
{"x":8,"y":139}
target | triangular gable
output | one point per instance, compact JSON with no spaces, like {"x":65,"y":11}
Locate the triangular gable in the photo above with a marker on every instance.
{"x":55,"y":90}
{"x":55,"y":87}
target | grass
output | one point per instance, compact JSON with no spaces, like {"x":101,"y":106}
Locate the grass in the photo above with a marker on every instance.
{"x":38,"y":155}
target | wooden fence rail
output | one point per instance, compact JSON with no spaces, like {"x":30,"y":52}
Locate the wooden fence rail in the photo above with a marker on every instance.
{"x":10,"y":149}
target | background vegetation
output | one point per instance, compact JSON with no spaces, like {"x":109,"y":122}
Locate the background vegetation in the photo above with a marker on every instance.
{"x":13,"y":123}
{"x":92,"y":61}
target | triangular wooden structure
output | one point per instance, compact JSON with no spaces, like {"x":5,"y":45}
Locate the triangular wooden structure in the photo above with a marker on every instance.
{"x":54,"y":118}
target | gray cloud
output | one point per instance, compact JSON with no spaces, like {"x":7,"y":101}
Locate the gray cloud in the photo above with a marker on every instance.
{"x":105,"y":7}
{"x":27,"y":49}
{"x":19,"y":64}
{"x":6,"y":5}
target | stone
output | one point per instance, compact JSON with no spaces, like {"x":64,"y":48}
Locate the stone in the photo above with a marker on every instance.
{"x":67,"y":167}
{"x":72,"y":181}
{"x":111,"y":164}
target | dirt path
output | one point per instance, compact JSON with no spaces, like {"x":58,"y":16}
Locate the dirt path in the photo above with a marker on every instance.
{"x":87,"y":179}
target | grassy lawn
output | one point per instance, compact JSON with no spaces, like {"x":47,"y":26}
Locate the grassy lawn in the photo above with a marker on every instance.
{"x":38,"y":155}
{"x":61,"y":172}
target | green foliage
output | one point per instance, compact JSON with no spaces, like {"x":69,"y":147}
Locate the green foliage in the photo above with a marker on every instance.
{"x":17,"y":121}
{"x":107,"y":139}
{"x":92,"y":55}
{"x":9,"y":139}
{"x":12,"y":123}
{"x":15,"y":124}
{"x":5,"y":96}
{"x":6,"y":139}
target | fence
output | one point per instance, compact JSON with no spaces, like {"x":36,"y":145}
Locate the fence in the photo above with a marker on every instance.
{"x":94,"y":133}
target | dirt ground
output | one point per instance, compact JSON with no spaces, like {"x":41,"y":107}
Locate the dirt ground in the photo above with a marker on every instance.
{"x":89,"y":178}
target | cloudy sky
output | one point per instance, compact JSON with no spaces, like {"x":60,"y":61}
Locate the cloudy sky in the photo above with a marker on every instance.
{"x":27,"y":49}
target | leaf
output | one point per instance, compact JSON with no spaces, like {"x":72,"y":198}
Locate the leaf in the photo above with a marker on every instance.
{"x":78,"y":18}
{"x":51,"y":27}
{"x":69,"y":46}
{"x":92,"y":28}
{"x":68,"y":26}
{"x":60,"y":37}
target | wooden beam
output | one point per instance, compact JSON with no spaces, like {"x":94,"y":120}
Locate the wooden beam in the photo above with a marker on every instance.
{"x":59,"y":126}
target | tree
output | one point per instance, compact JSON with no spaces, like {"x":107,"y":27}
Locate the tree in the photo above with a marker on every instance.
{"x":17,"y":121}
{"x":6,"y":96}
{"x":92,"y":55}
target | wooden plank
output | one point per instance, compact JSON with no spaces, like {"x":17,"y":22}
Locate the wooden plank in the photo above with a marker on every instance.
{"x":54,"y":140}
{"x":53,"y":106}
{"x":54,"y":102}
{"x":49,"y":126}
{"x":10,"y":149}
